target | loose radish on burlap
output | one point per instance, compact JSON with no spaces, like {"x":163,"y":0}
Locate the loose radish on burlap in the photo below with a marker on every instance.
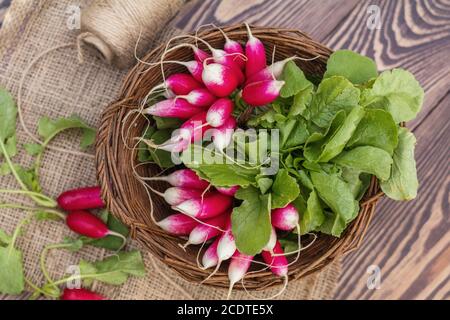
{"x":262,"y":92}
{"x":255,"y":53}
{"x":82,"y":198}
{"x":80,"y":294}
{"x":89,"y":225}
{"x":185,"y":178}
{"x":178,"y":224}
{"x":211,"y":205}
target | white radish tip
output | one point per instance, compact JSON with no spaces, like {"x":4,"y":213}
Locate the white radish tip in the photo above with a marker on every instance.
{"x":188,"y":207}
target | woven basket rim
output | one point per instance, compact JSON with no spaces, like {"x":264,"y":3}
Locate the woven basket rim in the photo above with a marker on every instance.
{"x":127,"y":200}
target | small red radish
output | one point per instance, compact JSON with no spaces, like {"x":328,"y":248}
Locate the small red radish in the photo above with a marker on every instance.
{"x":234,"y":47}
{"x":82,"y":198}
{"x":219,"y":79}
{"x":272,"y":241}
{"x":199,"y":54}
{"x":211,"y":228}
{"x":239,"y":265}
{"x":262,"y":92}
{"x":285,"y":218}
{"x":210,"y":206}
{"x":223,"y":135}
{"x":226,"y":246}
{"x":196,"y":126}
{"x":178,"y":224}
{"x":173,"y":108}
{"x":229,"y":191}
{"x":210,"y":258}
{"x":185,"y":178}
{"x":176,"y":195}
{"x":219,"y":112}
{"x":180,"y":83}
{"x":80,"y":294}
{"x":199,"y":97}
{"x":255,"y":53}
{"x":190,"y":131}
{"x":195,"y":68}
{"x":272,"y":72}
{"x":89,"y":225}
{"x":278,"y":261}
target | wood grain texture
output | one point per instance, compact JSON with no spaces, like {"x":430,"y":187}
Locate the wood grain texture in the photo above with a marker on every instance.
{"x":408,"y":241}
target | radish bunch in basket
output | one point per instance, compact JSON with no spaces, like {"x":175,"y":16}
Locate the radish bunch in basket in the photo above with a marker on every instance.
{"x":202,"y":99}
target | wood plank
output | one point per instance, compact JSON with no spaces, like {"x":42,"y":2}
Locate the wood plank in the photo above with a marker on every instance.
{"x":317,"y":18}
{"x":410,"y":241}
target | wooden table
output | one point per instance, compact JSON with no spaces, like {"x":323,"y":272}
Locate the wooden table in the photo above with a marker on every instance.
{"x":410,"y":242}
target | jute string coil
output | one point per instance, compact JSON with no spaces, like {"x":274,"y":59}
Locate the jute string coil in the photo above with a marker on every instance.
{"x":119,"y":29}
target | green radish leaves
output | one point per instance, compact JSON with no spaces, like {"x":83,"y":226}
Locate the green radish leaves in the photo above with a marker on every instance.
{"x":397,"y":92}
{"x":114,"y":270}
{"x":295,"y":80}
{"x":402,"y":183}
{"x":284,"y":189}
{"x":251,"y":221}
{"x":351,"y":65}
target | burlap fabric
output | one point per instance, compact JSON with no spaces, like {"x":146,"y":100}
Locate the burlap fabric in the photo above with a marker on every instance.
{"x":59,"y":86}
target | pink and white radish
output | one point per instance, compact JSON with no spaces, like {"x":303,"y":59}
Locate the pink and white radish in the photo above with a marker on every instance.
{"x":178,"y":224}
{"x":89,"y":225}
{"x":176,"y":195}
{"x":190,"y":131}
{"x":209,"y":206}
{"x":210,"y":258}
{"x":211,"y":228}
{"x":277,"y":260}
{"x":285,"y":218}
{"x":239,"y":265}
{"x":223,"y":135}
{"x":184,"y":178}
{"x":255,"y":53}
{"x":229,"y":191}
{"x":199,"y":97}
{"x":194,"y":67}
{"x":82,"y":198}
{"x":272,"y":72}
{"x":180,"y":84}
{"x":272,"y":241}
{"x":233,"y":47}
{"x":219,"y":112}
{"x":221,"y":80}
{"x":226,"y":247}
{"x":173,"y":108}
{"x":262,"y":92}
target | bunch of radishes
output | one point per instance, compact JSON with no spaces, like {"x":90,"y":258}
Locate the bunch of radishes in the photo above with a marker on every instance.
{"x":206,"y":214}
{"x":202,"y":98}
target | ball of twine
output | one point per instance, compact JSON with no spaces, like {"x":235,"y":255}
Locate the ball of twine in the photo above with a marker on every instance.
{"x":118,"y":29}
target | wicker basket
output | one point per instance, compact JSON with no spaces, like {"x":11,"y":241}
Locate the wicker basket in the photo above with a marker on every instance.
{"x":128,"y":199}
